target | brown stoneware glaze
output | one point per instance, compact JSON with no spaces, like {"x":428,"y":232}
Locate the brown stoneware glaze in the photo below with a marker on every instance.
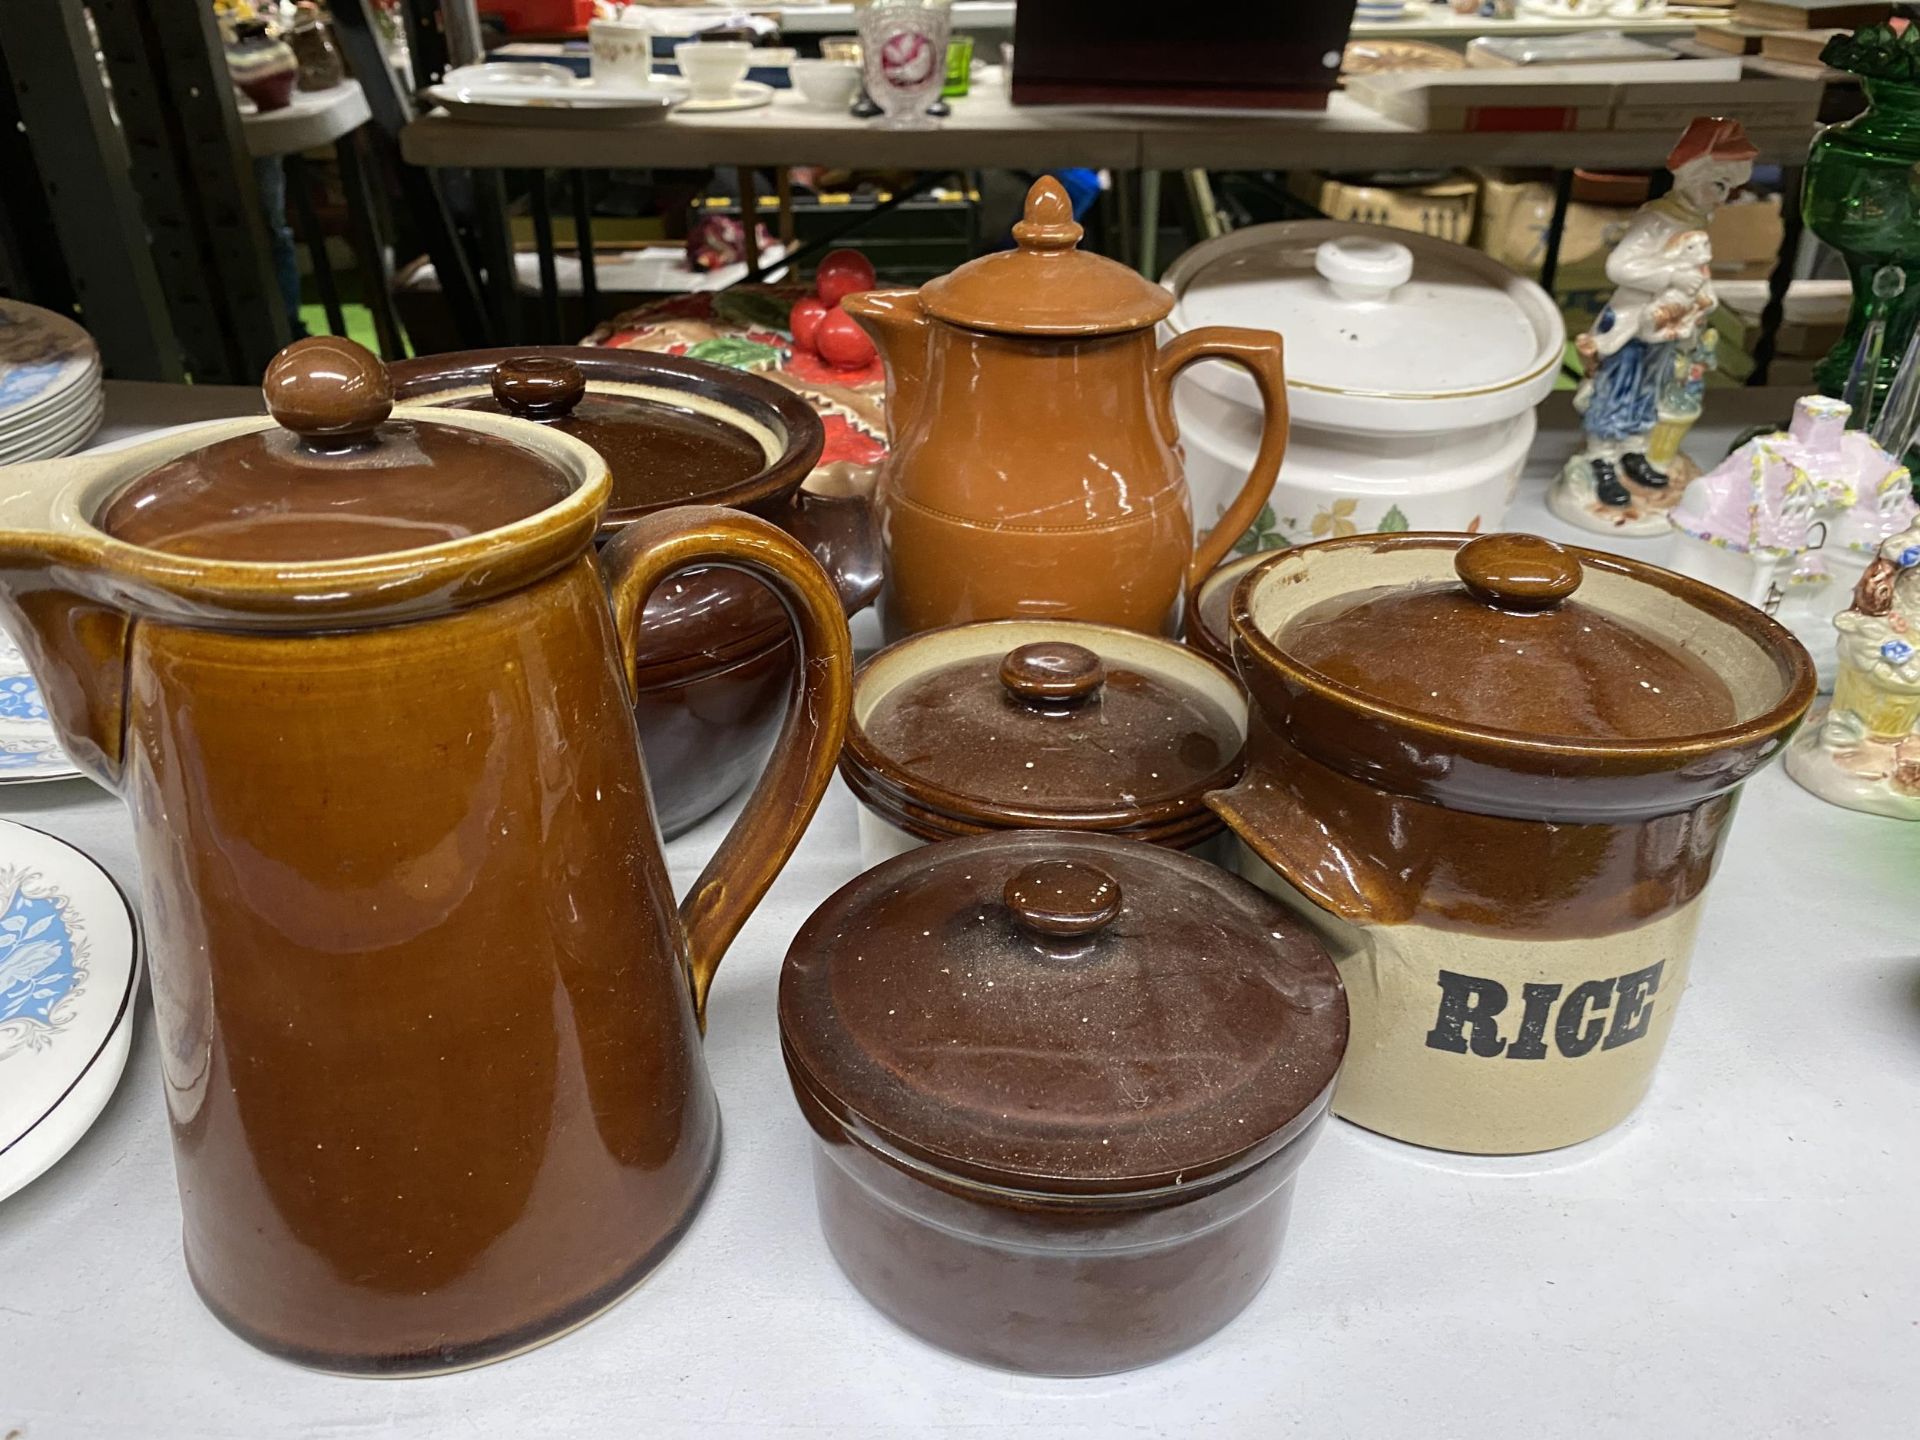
{"x":1033,"y":473}
{"x":429,"y":1019}
{"x":1208,"y":624}
{"x":1498,"y":773}
{"x":715,"y":663}
{"x":1060,"y":1086}
{"x":1014,"y":724}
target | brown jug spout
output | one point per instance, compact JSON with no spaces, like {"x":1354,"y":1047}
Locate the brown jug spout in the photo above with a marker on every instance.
{"x":51,"y":602}
{"x":901,"y":329}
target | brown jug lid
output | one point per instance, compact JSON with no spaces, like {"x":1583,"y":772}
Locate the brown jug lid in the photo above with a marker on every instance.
{"x":660,"y":453}
{"x":1045,"y":285}
{"x":337,"y":478}
{"x":1511,"y":648}
{"x":1012,"y":723}
{"x":1060,"y":1013}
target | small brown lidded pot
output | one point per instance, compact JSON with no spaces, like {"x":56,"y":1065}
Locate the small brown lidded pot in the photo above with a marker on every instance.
{"x":1040,"y":724}
{"x":714,"y":664}
{"x":1497,"y":774}
{"x":1061,"y":1086}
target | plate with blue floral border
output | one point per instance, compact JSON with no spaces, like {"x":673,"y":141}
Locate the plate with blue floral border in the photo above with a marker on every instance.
{"x":69,"y":960}
{"x":28,"y":747}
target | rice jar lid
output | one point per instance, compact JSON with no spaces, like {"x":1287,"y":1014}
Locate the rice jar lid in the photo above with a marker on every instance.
{"x":1063,"y":1014}
{"x":1014,"y":723}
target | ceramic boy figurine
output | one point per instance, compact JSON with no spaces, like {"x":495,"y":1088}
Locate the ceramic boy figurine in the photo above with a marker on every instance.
{"x":1790,"y":520}
{"x":1653,"y":324}
{"x":1864,"y":752}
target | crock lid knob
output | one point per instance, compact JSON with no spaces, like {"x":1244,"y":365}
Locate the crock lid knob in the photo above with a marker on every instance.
{"x":328,"y":390}
{"x":538,"y":387}
{"x":1052,"y":673}
{"x":1062,"y":898}
{"x":1048,"y":223}
{"x":1517,"y":572}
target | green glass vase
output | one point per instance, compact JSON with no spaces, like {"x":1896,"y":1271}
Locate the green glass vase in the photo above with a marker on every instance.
{"x":1861,"y":195}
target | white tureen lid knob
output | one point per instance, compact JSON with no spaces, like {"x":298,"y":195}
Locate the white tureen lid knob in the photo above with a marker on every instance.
{"x":1361,"y":268}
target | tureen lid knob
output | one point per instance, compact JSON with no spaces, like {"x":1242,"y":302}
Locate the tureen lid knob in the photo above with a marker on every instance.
{"x":1517,"y":572}
{"x":327,"y":389}
{"x":1361,"y":268}
{"x":538,"y":387}
{"x":1062,"y":898}
{"x":1052,"y":673}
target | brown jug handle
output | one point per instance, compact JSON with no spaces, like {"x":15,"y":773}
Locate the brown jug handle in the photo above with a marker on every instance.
{"x":766,"y":831}
{"x":1259,"y":353}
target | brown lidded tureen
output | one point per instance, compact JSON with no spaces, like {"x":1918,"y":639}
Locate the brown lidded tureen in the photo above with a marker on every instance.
{"x":1056,"y":724}
{"x":1060,"y":1087}
{"x":1497,"y":773}
{"x":715,"y":662}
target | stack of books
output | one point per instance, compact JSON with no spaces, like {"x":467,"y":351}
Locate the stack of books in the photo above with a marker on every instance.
{"x":1790,"y":31}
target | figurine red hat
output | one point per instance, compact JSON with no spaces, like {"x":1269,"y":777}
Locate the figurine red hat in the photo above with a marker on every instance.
{"x":1714,"y":136}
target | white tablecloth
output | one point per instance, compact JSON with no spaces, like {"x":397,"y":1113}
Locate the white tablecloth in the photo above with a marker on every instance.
{"x":1738,"y":1259}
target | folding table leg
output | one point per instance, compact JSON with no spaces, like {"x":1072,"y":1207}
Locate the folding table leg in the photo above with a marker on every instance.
{"x":364,"y":216}
{"x":300,"y":194}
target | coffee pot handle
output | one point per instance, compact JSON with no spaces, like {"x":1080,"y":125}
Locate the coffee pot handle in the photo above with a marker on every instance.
{"x":770,"y":826}
{"x":1260,"y":354}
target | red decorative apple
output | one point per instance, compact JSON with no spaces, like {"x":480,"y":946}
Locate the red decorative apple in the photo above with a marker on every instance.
{"x":842,"y":273}
{"x":842,"y":343}
{"x":805,"y":321}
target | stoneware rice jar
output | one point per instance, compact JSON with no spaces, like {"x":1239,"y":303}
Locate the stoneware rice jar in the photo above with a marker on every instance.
{"x":714,"y":661}
{"x":1033,"y":473}
{"x":1497,"y":774}
{"x":1040,"y":724}
{"x":429,"y":1019}
{"x":1060,"y":1088}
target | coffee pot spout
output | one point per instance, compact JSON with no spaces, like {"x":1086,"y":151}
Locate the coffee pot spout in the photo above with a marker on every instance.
{"x":73,"y":636}
{"x":900,"y":327}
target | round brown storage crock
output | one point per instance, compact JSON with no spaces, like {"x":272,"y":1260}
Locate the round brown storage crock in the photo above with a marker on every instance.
{"x":1055,"y":724}
{"x":1060,"y":1087}
{"x":715,"y":663}
{"x":1497,"y":774}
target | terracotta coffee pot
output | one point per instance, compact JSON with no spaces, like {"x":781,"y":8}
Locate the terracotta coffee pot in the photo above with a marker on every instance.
{"x":1033,"y":472}
{"x":429,"y":1018}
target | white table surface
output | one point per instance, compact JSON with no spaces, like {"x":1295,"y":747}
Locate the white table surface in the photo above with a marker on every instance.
{"x":1738,"y":1259}
{"x":310,"y":119}
{"x":987,"y":130}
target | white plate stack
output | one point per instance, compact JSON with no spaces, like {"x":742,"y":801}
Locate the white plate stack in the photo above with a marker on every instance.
{"x":50,"y":388}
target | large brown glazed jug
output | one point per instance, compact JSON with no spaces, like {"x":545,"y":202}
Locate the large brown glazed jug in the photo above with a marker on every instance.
{"x":1033,"y":473}
{"x":429,"y":1017}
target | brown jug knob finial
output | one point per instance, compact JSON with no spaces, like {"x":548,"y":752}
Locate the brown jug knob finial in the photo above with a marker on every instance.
{"x":1049,"y":222}
{"x":328,"y":390}
{"x":1052,"y":673}
{"x":1062,"y":898}
{"x":1517,"y":572}
{"x":538,"y":387}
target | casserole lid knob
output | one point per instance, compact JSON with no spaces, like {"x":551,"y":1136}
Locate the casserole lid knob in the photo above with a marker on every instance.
{"x":1061,"y":898}
{"x":1052,"y":672}
{"x":538,"y":387}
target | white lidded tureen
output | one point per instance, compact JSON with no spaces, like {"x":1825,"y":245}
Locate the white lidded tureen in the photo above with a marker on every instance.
{"x":1413,"y":368}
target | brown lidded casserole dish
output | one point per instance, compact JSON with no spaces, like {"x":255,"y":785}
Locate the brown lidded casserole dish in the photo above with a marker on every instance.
{"x":1497,"y":774}
{"x":1054,"y":724}
{"x":1061,"y":1085}
{"x":1207,"y":622}
{"x":715,"y":663}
